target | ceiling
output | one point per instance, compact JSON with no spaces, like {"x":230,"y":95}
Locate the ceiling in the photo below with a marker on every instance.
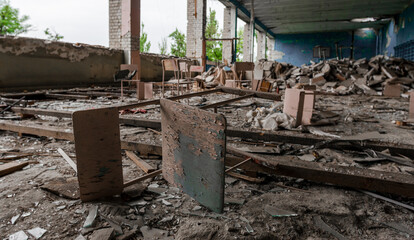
{"x":307,"y":16}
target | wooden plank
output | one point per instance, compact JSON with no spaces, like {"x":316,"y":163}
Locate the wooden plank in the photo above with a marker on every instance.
{"x":98,"y":153}
{"x":157,"y":101}
{"x":142,"y":178}
{"x":264,"y":95}
{"x":12,"y":167}
{"x":372,"y":180}
{"x":194,"y":147}
{"x":65,"y":96}
{"x":57,"y":133}
{"x":38,"y":131}
{"x":217,"y":104}
{"x":139,"y":162}
{"x":144,"y":149}
{"x":68,"y":159}
{"x":244,"y":177}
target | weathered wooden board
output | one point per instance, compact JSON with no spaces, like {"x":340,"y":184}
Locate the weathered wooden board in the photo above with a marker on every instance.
{"x":98,"y":153}
{"x":193,"y":149}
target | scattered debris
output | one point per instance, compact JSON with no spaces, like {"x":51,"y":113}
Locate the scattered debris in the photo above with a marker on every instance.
{"x":37,"y":232}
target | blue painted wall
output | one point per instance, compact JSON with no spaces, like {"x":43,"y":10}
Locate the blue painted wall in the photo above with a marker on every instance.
{"x":297,"y":49}
{"x":398,"y":31}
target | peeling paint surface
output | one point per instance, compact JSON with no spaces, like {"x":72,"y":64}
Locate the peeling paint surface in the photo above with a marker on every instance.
{"x":194,"y":147}
{"x":297,"y":49}
{"x":400,"y":30}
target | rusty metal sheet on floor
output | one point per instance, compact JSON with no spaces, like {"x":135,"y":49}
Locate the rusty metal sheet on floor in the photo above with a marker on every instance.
{"x":98,"y":153}
{"x":193,"y":149}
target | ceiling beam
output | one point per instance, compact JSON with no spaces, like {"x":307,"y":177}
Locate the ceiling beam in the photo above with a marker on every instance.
{"x":257,"y":22}
{"x":325,"y":27}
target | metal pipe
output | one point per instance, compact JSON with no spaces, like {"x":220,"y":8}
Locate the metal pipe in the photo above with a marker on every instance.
{"x":235,"y":36}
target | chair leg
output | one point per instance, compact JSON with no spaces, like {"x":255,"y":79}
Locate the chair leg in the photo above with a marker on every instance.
{"x":162,"y":84}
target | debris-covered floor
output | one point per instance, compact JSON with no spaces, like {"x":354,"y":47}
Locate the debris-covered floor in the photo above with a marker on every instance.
{"x":43,"y":198}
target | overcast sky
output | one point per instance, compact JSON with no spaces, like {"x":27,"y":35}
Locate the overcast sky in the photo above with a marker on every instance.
{"x":86,"y":21}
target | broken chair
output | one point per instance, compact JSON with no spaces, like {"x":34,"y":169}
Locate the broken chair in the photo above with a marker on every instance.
{"x":299,"y":104}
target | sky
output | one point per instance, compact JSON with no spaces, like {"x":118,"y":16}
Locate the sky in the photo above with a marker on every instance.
{"x":86,"y":21}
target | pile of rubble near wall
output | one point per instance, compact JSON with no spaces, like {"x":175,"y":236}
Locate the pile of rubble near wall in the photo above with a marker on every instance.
{"x":345,"y":76}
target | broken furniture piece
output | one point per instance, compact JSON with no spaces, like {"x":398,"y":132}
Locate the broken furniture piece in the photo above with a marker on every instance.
{"x":98,"y":153}
{"x":170,"y":65}
{"x":239,"y":68}
{"x":299,"y":104}
{"x":194,"y":148}
{"x":198,"y":84}
{"x":144,"y":90}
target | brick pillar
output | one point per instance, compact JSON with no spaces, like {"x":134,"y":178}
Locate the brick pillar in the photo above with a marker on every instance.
{"x":271,"y":49}
{"x":247,"y":44}
{"x":115,"y":16}
{"x":196,"y":14}
{"x":228,"y":32}
{"x":261,"y":45}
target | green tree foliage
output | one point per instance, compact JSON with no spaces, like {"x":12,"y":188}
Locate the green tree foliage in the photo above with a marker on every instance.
{"x":214,"y":49}
{"x":144,"y":43}
{"x":54,"y":36}
{"x":163,"y":46}
{"x":178,"y":45}
{"x":10,"y":22}
{"x":240,"y":34}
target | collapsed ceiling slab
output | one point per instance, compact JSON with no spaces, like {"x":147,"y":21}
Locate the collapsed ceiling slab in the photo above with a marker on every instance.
{"x":303,"y":16}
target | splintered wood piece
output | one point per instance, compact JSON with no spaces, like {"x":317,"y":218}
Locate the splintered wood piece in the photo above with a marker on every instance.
{"x":98,"y":153}
{"x":194,"y":147}
{"x":68,"y":159}
{"x":12,"y":167}
{"x":139,"y":162}
{"x":142,"y":178}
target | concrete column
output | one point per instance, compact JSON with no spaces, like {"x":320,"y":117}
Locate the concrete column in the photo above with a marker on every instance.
{"x":261,"y":45}
{"x":271,"y":54}
{"x":247,"y":44}
{"x":196,"y":18}
{"x":228,"y":32}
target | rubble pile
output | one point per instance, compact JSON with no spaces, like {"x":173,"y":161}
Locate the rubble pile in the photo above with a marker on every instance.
{"x":379,"y":74}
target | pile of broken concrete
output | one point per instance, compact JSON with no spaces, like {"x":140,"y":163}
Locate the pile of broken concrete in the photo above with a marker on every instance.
{"x":378,"y":76}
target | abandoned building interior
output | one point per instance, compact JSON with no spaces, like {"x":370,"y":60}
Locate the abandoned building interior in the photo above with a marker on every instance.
{"x":309,"y":135}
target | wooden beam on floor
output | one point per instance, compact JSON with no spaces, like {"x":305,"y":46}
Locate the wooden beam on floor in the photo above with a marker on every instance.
{"x":157,"y":101}
{"x":58,"y":133}
{"x":12,"y":167}
{"x":266,"y":136}
{"x":65,"y":96}
{"x":372,"y":180}
{"x":241,"y":92}
{"x":142,"y":178}
{"x":218,"y":104}
{"x":139,"y":162}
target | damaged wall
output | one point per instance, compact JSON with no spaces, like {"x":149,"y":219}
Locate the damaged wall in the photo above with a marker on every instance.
{"x":400,"y":30}
{"x":297,"y":49}
{"x":29,"y":63}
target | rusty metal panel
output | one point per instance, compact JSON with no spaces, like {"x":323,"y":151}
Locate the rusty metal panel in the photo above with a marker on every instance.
{"x":98,"y":153}
{"x":193,"y":149}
